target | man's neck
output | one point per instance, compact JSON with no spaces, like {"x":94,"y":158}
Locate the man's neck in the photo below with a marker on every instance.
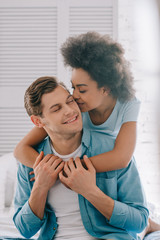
{"x":66,"y":145}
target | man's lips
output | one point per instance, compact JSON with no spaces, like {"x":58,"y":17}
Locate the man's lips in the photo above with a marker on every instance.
{"x":71,"y":120}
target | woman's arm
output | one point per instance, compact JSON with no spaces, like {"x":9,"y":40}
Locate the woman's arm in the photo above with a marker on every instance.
{"x":118,"y":158}
{"x":122,"y":152}
{"x":24,"y":150}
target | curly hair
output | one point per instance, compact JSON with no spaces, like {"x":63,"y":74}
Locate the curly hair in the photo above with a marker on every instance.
{"x":103,"y":59}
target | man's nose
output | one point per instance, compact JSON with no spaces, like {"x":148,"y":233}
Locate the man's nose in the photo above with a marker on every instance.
{"x":68,"y":110}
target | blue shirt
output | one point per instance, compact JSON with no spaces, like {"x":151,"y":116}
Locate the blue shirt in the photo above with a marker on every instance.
{"x":123,"y":112}
{"x":129,"y":215}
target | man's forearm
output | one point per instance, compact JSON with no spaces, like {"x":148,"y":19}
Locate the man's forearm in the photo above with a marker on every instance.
{"x":37,"y":200}
{"x":120,"y":215}
{"x":101,"y":202}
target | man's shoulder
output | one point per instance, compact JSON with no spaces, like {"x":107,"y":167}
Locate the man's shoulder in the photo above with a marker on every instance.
{"x":23,"y":170}
{"x":44,"y":146}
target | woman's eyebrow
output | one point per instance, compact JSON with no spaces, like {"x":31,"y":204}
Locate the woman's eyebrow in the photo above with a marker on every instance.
{"x":79,"y":85}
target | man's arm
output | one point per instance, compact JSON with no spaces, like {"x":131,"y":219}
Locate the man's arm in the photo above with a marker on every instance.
{"x":29,"y":215}
{"x":127,"y":213}
{"x":131,"y":204}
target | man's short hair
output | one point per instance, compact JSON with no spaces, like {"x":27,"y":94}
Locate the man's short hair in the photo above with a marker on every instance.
{"x":34,"y":93}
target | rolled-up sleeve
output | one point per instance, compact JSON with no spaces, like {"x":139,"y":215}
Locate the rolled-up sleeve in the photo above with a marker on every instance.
{"x":130,"y":210}
{"x":25,"y":220}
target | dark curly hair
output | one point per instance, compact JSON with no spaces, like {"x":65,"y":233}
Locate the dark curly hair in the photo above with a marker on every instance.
{"x":103,"y":59}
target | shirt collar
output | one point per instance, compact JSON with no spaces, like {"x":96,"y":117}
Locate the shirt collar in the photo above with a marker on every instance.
{"x":86,"y":136}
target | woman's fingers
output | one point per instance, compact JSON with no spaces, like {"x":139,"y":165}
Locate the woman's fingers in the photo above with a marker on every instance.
{"x":32,"y":179}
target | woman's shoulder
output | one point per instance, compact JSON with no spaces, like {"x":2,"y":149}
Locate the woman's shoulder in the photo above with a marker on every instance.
{"x":132,"y":102}
{"x":129,"y":109}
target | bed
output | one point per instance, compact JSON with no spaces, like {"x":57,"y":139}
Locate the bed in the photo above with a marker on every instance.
{"x":8,"y":169}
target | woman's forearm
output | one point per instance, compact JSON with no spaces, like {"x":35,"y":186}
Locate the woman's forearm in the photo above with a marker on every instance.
{"x":109,"y":161}
{"x":120,"y":156}
{"x":26,"y":155}
{"x":24,"y":151}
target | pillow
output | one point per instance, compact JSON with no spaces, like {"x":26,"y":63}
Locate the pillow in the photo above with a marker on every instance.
{"x":8,"y":169}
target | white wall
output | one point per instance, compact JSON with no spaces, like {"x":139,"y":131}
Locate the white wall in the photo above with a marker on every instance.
{"x":138,"y":33}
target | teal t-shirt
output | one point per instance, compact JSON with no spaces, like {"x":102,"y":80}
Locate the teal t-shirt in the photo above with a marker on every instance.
{"x":123,"y":112}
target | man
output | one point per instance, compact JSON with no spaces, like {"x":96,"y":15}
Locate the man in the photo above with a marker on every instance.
{"x":67,"y":200}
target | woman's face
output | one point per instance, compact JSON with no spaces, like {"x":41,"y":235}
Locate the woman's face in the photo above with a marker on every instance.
{"x":85,"y":91}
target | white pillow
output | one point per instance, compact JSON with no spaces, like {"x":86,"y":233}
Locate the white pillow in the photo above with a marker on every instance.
{"x":8,"y":170}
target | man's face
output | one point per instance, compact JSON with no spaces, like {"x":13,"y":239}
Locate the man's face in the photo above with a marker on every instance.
{"x":61,"y":114}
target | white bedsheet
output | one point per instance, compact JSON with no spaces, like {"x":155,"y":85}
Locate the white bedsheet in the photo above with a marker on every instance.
{"x":7,"y":227}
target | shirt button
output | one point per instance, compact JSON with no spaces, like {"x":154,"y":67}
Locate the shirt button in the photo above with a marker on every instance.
{"x":54,"y":228}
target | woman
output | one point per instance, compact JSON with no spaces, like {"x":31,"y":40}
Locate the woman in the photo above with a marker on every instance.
{"x":103,"y":88}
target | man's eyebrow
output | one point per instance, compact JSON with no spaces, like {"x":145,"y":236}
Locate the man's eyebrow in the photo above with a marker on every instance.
{"x":55,"y":105}
{"x":70,"y":95}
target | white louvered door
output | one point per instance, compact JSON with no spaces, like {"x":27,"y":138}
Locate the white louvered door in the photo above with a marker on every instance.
{"x":31,"y":32}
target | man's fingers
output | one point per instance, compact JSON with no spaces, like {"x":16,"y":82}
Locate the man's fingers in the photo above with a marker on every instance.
{"x":71,"y":164}
{"x":78,"y":162}
{"x":38,"y":159}
{"x":54,"y":162}
{"x":59,"y":167}
{"x":88,"y":163}
{"x":66,"y":169}
{"x":62,"y":177}
{"x":45,"y":159}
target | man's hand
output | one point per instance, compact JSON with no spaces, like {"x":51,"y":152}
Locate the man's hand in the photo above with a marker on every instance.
{"x":78,"y":178}
{"x":83,"y":181}
{"x":46,"y":170}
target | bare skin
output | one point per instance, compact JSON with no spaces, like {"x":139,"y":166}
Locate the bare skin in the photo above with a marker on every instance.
{"x":83,"y":182}
{"x":46,"y":173}
{"x":152,"y":227}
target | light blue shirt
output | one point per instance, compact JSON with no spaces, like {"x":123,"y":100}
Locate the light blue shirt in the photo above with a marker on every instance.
{"x":123,"y":112}
{"x":129,"y":215}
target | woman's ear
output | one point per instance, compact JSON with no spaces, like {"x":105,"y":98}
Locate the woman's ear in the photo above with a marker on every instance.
{"x":37,"y":121}
{"x":106,"y":90}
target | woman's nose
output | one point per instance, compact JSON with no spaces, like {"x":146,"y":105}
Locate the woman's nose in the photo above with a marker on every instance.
{"x":75,"y":94}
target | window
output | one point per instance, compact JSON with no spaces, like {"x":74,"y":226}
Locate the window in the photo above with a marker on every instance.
{"x":32,"y":32}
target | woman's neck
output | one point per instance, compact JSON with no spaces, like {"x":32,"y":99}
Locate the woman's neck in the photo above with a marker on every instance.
{"x":101,"y":114}
{"x":65,"y":145}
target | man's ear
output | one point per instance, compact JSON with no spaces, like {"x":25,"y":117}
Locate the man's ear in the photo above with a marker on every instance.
{"x":37,"y":121}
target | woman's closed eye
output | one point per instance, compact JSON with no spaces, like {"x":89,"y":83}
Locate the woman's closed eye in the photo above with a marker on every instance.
{"x":82,"y":91}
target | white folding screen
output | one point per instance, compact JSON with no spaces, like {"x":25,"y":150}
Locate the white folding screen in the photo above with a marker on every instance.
{"x":31,"y":33}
